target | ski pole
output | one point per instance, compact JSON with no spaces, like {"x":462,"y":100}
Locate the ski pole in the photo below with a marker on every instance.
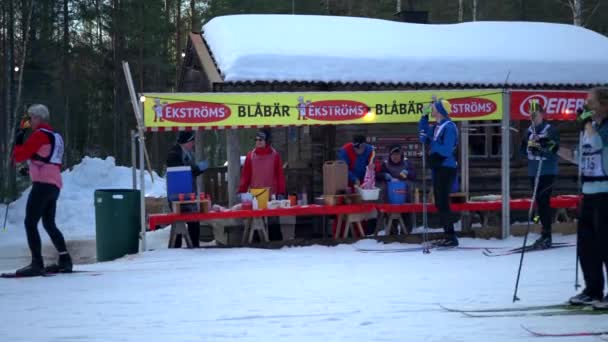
{"x":5,"y":217}
{"x":425,"y":244}
{"x":523,"y":249}
{"x":580,"y":190}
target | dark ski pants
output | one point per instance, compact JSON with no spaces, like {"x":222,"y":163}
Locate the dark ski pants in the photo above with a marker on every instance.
{"x":543,"y":199}
{"x":593,"y":242}
{"x":42,"y":203}
{"x":443,"y":179}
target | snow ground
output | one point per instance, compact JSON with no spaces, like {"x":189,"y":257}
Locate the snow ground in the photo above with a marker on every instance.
{"x":293,"y":294}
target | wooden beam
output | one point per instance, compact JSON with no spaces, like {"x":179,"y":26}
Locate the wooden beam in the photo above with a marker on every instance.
{"x":205,"y":59}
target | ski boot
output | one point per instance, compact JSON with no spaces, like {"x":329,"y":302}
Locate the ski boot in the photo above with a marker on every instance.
{"x":64,"y":265}
{"x":450,"y":241}
{"x":35,"y":269}
{"x":543,"y":242}
{"x":583,"y":298}
{"x":601,"y":305}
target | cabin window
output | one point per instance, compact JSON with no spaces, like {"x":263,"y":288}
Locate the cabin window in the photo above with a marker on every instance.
{"x":485,"y":139}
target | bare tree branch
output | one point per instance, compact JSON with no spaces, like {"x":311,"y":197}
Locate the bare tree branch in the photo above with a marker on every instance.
{"x":592,"y":12}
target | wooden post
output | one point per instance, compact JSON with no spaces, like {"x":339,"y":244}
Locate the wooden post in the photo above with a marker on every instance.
{"x":234,"y":164}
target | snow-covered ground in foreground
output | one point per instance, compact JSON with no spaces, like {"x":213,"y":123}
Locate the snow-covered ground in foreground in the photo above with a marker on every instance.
{"x":293,"y":294}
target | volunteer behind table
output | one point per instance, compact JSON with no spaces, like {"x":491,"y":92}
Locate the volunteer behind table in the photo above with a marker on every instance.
{"x":263,"y":168}
{"x":396,"y":168}
{"x":181,"y":154}
{"x":357,"y":155}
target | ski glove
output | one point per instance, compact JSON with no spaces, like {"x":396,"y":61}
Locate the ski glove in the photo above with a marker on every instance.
{"x":202,"y":165}
{"x":548,"y":144}
{"x":388,"y":177}
{"x":534,"y":148}
{"x":24,"y":171}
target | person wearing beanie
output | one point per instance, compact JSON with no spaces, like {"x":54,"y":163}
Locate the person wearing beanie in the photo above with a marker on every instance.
{"x":396,"y":168}
{"x":44,"y":152}
{"x":181,"y":154}
{"x":541,"y":142}
{"x":263,"y":167}
{"x":443,"y":140}
{"x":357,"y":155}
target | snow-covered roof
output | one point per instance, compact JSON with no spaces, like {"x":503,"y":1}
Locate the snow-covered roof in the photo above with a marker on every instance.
{"x":303,"y":48}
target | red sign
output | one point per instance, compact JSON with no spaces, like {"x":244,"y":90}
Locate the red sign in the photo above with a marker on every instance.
{"x":336,"y":110}
{"x":193,"y":112}
{"x":559,"y":105}
{"x":472,"y":107}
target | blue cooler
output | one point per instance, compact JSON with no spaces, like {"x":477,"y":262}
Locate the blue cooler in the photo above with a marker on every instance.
{"x":397,"y":192}
{"x":179,"y":181}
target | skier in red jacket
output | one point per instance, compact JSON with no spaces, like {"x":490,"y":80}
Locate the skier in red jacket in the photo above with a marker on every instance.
{"x":43,"y":152}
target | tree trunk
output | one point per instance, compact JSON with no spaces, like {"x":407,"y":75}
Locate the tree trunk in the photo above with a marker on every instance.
{"x":178,"y":35}
{"x":577,"y":12}
{"x":475,"y":10}
{"x":65,"y":80}
{"x":194,"y":21}
{"x":9,"y":181}
{"x":460,"y":11}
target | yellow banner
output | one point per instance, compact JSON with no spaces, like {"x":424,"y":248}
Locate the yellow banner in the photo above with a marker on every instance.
{"x":224,"y":110}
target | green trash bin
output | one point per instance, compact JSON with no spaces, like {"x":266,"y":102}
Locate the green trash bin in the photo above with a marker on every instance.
{"x":117,"y":223}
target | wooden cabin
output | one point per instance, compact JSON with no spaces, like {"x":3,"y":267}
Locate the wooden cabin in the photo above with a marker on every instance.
{"x":306,"y":148}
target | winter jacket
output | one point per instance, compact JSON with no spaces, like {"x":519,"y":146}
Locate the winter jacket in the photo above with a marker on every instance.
{"x":263,"y":168}
{"x":443,"y":139}
{"x":40,"y":144}
{"x":394,"y":170}
{"x":549,"y":133}
{"x":357,"y":163}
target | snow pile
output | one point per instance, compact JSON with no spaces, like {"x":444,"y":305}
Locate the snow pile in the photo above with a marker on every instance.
{"x":348,"y":49}
{"x":75,"y":209}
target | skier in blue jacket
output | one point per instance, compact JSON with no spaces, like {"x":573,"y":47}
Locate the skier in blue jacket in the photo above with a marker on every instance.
{"x":443,"y":139}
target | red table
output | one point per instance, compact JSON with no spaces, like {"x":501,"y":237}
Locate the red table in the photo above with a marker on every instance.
{"x":311,"y":210}
{"x":256,"y":219}
{"x":393,"y":211}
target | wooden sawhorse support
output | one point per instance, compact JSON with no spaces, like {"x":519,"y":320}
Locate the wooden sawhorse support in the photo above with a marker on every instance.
{"x":259,"y":224}
{"x":387,"y":220}
{"x":352,"y":221}
{"x":179,"y":228}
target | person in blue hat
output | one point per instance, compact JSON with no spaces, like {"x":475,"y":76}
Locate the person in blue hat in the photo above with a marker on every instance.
{"x":442,"y":138}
